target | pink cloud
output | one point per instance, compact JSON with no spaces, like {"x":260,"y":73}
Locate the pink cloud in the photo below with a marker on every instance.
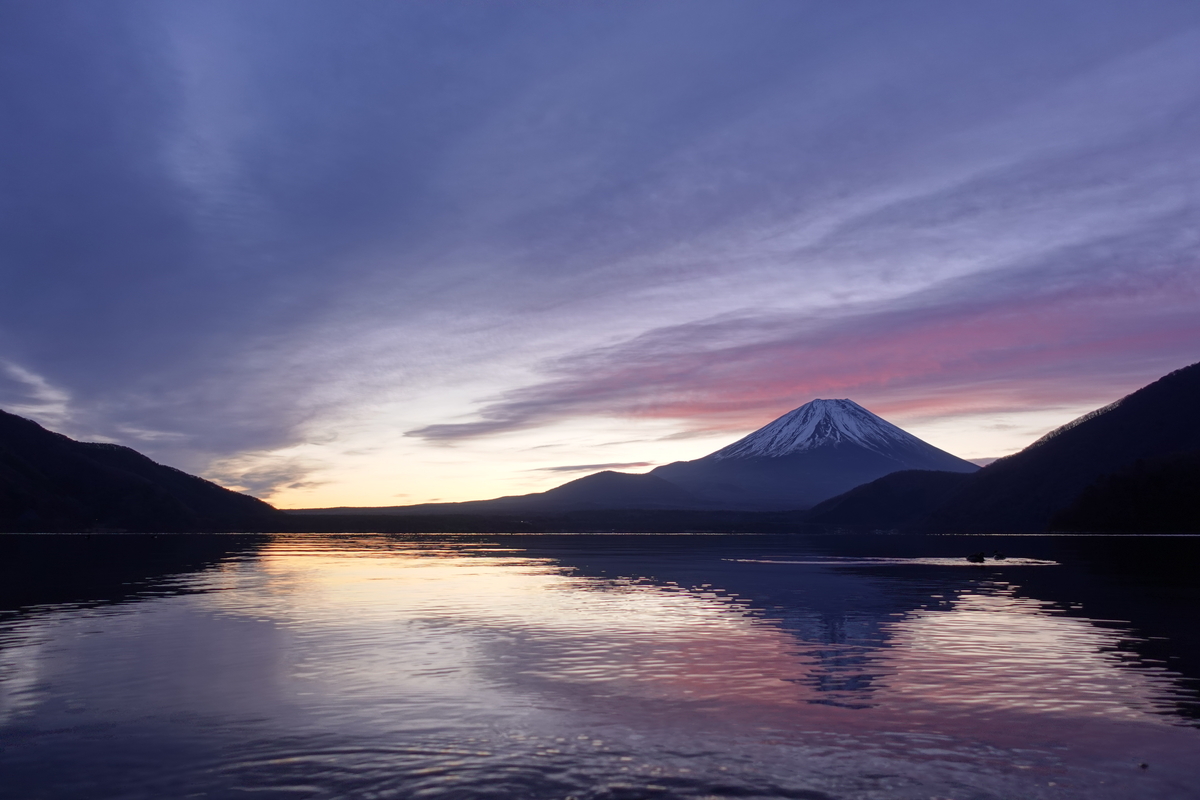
{"x":993,"y":348}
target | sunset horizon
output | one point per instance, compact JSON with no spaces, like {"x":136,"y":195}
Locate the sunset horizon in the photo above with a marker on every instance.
{"x":394,"y":254}
{"x":599,"y":400}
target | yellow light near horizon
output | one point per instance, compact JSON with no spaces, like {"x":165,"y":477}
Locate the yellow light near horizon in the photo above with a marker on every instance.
{"x":364,"y":469}
{"x":461,"y":614}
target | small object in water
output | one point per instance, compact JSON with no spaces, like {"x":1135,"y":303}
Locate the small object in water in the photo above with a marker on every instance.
{"x":1143,"y":765}
{"x":977,"y":558}
{"x":998,"y":555}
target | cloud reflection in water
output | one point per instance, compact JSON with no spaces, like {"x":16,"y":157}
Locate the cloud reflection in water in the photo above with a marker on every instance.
{"x":370,"y":664}
{"x":455,"y":617}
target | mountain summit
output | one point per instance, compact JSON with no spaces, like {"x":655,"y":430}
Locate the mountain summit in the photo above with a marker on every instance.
{"x":1131,"y":466}
{"x":817,"y":451}
{"x":823,"y":422}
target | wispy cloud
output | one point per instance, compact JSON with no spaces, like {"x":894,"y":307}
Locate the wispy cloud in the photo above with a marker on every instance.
{"x":26,"y":393}
{"x":230,"y":229}
{"x":1077,"y":323}
{"x":264,"y":475}
{"x":597,"y":467}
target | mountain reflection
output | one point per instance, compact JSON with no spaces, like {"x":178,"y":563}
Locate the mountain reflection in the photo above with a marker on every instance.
{"x":997,"y":651}
{"x":375,"y":664}
{"x":45,"y":570}
{"x":742,"y":638}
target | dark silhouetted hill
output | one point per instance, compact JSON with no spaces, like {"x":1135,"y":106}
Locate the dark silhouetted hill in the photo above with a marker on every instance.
{"x":814,"y":452}
{"x":899,"y":500}
{"x":850,"y":468}
{"x":1022,"y":492}
{"x":49,"y":482}
{"x":614,"y":520}
{"x":1155,"y":495}
{"x":599,"y":491}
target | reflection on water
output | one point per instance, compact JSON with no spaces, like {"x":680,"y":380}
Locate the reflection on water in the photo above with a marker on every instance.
{"x":607,"y":667}
{"x":995,"y":651}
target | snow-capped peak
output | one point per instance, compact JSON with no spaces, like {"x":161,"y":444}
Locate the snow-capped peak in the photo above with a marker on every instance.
{"x":817,"y":423}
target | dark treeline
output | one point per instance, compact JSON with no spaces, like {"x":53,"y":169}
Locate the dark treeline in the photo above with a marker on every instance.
{"x":606,"y":521}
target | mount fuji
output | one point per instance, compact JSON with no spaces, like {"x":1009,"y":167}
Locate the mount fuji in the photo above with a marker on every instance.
{"x":817,"y":451}
{"x":820,"y":450}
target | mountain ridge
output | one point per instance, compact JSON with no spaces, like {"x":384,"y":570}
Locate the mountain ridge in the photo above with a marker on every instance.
{"x":806,"y":456}
{"x":606,"y":490}
{"x":50,"y":482}
{"x":816,"y":423}
{"x":1130,"y":465}
{"x":1023,"y":491}
{"x":810,"y":454}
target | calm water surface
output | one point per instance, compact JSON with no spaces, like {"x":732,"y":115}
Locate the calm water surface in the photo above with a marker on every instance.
{"x":311,"y":666}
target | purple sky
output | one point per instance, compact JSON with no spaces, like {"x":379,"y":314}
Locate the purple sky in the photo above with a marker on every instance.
{"x":381,"y":252}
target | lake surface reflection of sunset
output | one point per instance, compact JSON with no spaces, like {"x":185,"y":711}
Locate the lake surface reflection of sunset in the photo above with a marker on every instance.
{"x":603,"y":666}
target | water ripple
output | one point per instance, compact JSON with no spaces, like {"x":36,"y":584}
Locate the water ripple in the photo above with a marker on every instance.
{"x":366,"y":666}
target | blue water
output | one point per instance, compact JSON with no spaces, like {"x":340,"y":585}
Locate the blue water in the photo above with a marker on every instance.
{"x":636,"y":666}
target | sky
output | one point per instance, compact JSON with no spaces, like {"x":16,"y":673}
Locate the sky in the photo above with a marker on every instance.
{"x":382,"y":253}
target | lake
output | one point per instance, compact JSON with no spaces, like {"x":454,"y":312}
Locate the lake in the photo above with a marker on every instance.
{"x":598,"y":666}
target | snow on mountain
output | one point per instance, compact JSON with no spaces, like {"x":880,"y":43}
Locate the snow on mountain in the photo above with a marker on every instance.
{"x":819,"y":423}
{"x":820,"y":450}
